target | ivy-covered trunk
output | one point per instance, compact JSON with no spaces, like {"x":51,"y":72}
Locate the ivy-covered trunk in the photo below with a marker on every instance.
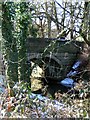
{"x":15,"y":21}
{"x":10,"y":46}
{"x":24,"y":67}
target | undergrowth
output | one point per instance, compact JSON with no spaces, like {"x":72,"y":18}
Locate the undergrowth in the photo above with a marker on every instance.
{"x":16,"y":103}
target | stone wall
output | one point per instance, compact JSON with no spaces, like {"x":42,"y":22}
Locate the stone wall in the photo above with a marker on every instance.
{"x":62,"y":53}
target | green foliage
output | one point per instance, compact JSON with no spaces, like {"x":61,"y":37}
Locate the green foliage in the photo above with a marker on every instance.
{"x":10,"y":47}
{"x":33,"y":30}
{"x":15,"y":30}
{"x":23,"y":34}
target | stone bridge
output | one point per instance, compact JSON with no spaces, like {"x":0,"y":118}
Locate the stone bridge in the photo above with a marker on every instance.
{"x":54,"y":56}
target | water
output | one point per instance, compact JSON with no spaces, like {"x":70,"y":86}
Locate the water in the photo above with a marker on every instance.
{"x":53,"y":88}
{"x":2,"y":84}
{"x":76,"y":65}
{"x":68,"y":82}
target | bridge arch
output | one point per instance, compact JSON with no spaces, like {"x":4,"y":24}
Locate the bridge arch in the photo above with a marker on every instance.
{"x":50,"y":64}
{"x":39,"y":56}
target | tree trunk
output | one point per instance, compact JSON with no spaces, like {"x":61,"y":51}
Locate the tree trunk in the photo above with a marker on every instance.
{"x":55,"y":14}
{"x":85,"y":27}
{"x":48,"y":21}
{"x":72,"y":21}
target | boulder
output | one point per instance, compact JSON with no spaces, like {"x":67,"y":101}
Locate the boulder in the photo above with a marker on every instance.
{"x":36,"y":76}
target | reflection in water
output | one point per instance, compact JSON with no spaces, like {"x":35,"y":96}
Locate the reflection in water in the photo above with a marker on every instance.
{"x":53,"y":88}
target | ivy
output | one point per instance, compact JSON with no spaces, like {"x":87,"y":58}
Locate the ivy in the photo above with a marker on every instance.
{"x":10,"y":48}
{"x":16,"y":22}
